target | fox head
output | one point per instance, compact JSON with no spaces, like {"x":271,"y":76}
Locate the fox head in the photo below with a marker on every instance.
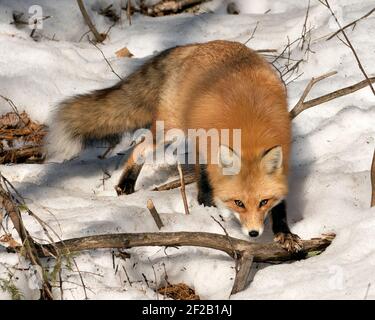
{"x":260,"y":184}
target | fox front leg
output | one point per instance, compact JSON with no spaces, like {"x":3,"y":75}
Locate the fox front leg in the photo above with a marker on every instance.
{"x":289,"y":241}
{"x":205,"y":194}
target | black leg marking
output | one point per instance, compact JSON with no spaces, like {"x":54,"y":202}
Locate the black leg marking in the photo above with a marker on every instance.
{"x":279,"y":221}
{"x":128,"y":179}
{"x":205,"y":194}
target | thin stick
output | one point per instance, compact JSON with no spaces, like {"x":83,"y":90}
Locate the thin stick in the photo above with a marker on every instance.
{"x":373,"y":181}
{"x":106,"y":60}
{"x":330,"y":96}
{"x":252,"y":34}
{"x":188,"y":179}
{"x":351,"y":23}
{"x":304,"y":28}
{"x":127,"y":276}
{"x":99,"y":37}
{"x":182,"y":190}
{"x":154,"y":213}
{"x":129,"y":13}
{"x":351,"y":47}
{"x":11,"y":103}
{"x":266,"y":50}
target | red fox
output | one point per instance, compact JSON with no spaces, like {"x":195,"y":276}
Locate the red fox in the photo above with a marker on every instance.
{"x":219,"y":84}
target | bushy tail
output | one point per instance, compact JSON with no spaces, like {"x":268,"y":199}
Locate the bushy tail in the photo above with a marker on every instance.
{"x":102,"y":114}
{"x":127,"y":106}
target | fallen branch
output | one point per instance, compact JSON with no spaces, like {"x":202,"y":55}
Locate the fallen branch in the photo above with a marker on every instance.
{"x":98,"y":36}
{"x":373,"y":181}
{"x":262,"y":252}
{"x":245,"y":252}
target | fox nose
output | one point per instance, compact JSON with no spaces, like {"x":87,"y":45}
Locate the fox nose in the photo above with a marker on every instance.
{"x":253,"y":233}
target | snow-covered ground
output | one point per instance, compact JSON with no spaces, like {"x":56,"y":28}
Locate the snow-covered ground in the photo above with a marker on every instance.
{"x":332,"y":148}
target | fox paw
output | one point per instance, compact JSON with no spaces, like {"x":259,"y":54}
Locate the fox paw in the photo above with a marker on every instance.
{"x":126,"y":187}
{"x":289,"y":241}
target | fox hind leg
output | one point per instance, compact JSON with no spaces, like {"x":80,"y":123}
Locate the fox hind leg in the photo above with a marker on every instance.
{"x":132,"y":169}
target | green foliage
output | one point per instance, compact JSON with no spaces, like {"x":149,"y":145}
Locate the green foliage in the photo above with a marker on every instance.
{"x":10,"y":287}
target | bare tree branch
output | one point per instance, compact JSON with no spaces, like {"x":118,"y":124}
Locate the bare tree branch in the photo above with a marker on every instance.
{"x":329,"y":96}
{"x":353,"y":23}
{"x":262,"y":252}
{"x":299,"y":107}
{"x":99,"y":37}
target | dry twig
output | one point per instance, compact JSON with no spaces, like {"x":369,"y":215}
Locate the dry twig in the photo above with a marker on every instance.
{"x":106,"y":60}
{"x":155,"y":215}
{"x":182,"y":190}
{"x":353,"y":23}
{"x":299,"y":107}
{"x":98,"y":36}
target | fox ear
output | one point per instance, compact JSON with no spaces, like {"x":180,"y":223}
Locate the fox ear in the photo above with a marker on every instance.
{"x":272,"y":159}
{"x":227,"y":158}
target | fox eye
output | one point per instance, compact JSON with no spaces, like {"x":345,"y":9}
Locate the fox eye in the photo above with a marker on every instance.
{"x":263,"y":203}
{"x":239,"y":203}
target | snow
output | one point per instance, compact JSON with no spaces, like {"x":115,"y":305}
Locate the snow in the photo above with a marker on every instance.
{"x":332,"y":148}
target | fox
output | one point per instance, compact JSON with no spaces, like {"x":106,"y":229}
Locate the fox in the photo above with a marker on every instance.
{"x":218,"y":84}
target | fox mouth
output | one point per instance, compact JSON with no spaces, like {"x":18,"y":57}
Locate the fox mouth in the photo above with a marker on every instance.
{"x":253,"y":233}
